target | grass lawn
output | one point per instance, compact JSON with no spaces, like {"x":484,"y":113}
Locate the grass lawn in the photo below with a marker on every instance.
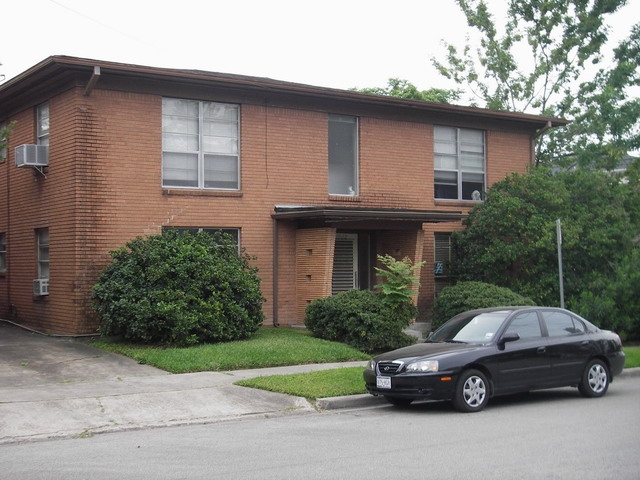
{"x":320,"y":384}
{"x":269,"y":347}
{"x":633,"y":356}
{"x":273,"y":347}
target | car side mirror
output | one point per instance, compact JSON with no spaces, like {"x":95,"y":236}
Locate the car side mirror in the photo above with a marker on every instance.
{"x":508,"y":337}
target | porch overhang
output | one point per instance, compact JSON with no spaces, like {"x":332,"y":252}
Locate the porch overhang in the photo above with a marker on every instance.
{"x":365,"y":215}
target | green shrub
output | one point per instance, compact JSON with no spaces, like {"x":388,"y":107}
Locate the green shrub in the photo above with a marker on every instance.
{"x":360,"y":319}
{"x":613,"y":302}
{"x":398,"y":280}
{"x":179,"y":289}
{"x":471,"y":295}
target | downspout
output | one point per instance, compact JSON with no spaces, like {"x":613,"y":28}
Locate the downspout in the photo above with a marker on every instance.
{"x":538,"y":133}
{"x":95,"y":76}
{"x":275,"y":257}
{"x":11,"y":309}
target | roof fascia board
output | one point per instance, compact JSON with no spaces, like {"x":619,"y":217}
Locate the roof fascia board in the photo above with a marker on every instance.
{"x":276,"y":91}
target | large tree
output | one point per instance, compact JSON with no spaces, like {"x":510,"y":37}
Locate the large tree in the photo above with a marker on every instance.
{"x":550,"y":57}
{"x":5,"y":131}
{"x":405,"y":89}
{"x":510,"y":239}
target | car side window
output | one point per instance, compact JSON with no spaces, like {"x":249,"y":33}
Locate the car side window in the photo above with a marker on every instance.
{"x":526,"y":325}
{"x":562,"y":324}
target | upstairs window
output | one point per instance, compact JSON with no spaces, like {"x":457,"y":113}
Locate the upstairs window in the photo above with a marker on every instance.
{"x":200,"y":144}
{"x":42,"y":238}
{"x":43,"y":124}
{"x":459,"y":162}
{"x":343,"y":155}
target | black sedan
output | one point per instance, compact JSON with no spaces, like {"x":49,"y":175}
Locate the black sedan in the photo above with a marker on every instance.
{"x":498,"y":351}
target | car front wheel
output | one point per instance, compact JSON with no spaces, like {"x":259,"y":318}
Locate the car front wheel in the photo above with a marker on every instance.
{"x":595,"y":379}
{"x":472,"y":392}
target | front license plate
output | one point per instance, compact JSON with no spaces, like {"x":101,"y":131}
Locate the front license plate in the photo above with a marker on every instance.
{"x":383,"y":382}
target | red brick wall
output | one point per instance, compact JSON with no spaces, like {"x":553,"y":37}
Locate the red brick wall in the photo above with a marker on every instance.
{"x":103,"y":188}
{"x":314,"y":267}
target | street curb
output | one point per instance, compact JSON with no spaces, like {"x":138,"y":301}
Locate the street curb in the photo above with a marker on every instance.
{"x":349,"y":401}
{"x":630,"y":372}
{"x":366,"y":400}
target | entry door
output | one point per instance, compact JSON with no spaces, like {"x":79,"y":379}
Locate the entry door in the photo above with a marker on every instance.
{"x":345,"y":263}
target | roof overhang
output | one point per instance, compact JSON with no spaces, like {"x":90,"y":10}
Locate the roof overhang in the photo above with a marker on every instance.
{"x":375,"y":217}
{"x":59,"y":72}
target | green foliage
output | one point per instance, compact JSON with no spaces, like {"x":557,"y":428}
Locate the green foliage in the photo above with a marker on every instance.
{"x":565,"y":43}
{"x":472,"y":295}
{"x":510,"y":239}
{"x":179,"y":289}
{"x":404,"y":89}
{"x":614,"y":303}
{"x":399,"y":280}
{"x":5,"y":133}
{"x":359,"y":318}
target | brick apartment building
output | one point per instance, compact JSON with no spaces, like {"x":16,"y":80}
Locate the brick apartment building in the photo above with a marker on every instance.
{"x":313,"y":182}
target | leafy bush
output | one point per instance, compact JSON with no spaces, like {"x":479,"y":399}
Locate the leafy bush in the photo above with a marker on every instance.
{"x":179,"y":289}
{"x":613,"y":304}
{"x":399,"y":280}
{"x":510,"y":238}
{"x":471,"y":295}
{"x":360,"y":319}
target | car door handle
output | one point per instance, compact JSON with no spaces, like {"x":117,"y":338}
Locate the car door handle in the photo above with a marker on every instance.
{"x":542,"y":349}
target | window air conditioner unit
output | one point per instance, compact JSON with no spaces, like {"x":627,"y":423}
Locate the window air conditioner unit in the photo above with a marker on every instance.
{"x":41,"y":286}
{"x":32,"y":156}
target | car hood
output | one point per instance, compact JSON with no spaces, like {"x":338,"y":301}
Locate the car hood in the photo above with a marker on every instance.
{"x":425,"y":350}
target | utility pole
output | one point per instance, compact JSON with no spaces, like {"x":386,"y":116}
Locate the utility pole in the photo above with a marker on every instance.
{"x":559,"y":238}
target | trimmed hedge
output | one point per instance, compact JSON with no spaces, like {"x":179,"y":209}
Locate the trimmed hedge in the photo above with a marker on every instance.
{"x":465,"y":296}
{"x":179,"y":289}
{"x":360,"y":319}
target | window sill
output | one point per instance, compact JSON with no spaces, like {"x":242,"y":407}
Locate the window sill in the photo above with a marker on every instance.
{"x":200,"y":193}
{"x":457,"y":203}
{"x":344,"y":198}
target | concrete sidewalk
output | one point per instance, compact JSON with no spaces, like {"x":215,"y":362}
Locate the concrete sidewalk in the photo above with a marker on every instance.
{"x":53,"y":387}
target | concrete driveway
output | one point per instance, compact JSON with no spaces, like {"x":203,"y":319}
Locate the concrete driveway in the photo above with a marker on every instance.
{"x":30,"y":359}
{"x":53,"y":387}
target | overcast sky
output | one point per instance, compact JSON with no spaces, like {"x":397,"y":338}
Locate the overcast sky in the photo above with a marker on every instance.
{"x":330,"y":43}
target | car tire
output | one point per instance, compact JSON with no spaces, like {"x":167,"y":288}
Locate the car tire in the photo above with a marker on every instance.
{"x":595,"y":379}
{"x":472,"y":392}
{"x":398,"y":401}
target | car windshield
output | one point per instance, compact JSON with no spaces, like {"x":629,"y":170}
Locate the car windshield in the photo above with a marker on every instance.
{"x":475,"y":328}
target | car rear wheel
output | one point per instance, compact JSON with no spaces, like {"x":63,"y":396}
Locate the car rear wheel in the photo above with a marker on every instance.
{"x":472,"y":391}
{"x":398,"y":401}
{"x":595,"y":379}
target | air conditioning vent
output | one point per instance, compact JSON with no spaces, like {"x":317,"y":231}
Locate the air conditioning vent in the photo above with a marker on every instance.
{"x":32,"y":156}
{"x":41,"y":287}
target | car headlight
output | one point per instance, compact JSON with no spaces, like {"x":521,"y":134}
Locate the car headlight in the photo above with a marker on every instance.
{"x":372,"y":364}
{"x":423,"y":366}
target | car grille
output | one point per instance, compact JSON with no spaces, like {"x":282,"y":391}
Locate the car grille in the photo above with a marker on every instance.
{"x":389,"y":368}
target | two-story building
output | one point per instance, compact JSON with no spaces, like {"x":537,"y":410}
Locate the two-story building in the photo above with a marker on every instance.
{"x":313,"y":182}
